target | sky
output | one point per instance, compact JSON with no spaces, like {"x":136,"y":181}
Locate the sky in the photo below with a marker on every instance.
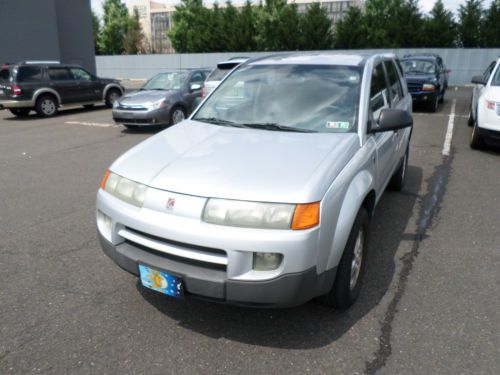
{"x":426,"y":5}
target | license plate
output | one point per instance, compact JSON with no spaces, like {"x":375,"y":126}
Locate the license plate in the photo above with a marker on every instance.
{"x":161,"y":281}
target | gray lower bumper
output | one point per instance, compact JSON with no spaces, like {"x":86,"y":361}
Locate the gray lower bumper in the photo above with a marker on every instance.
{"x":141,"y":118}
{"x":284,"y":291}
{"x":5,"y":104}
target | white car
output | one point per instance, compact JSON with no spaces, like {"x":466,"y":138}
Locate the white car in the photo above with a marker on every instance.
{"x":218,"y":74}
{"x":484,"y":115}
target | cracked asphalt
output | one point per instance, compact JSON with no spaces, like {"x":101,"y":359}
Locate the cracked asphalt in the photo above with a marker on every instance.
{"x":430,"y":302}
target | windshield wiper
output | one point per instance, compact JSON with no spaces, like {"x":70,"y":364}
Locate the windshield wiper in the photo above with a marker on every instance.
{"x":274,"y":126}
{"x":218,"y":121}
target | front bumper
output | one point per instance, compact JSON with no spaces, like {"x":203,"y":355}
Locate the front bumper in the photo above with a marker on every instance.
{"x":423,"y":96}
{"x":146,"y":236}
{"x":6,"y":104}
{"x":142,"y":117}
{"x":490,"y":136}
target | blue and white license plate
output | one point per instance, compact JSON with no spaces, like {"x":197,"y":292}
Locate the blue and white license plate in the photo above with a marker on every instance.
{"x":161,"y":281}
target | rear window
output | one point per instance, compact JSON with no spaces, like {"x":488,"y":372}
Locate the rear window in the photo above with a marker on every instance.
{"x":29,"y":74}
{"x":4,"y":74}
{"x":218,"y":74}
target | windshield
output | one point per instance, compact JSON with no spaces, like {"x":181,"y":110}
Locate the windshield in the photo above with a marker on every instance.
{"x":418,"y":66}
{"x":319,"y":98}
{"x":166,"y":81}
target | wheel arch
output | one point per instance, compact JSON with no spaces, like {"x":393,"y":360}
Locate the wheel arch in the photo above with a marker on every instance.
{"x":110,"y":86}
{"x":46,"y":91}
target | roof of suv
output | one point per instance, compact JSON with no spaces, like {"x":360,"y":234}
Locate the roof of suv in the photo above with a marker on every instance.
{"x":320,"y":58}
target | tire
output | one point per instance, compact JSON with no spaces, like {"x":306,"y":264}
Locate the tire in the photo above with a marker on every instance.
{"x":434,"y":104}
{"x":177,"y":115}
{"x":46,"y":106}
{"x":441,"y":99}
{"x":476,"y":141}
{"x":397,"y":181}
{"x":111,"y":96}
{"x":352,"y":266}
{"x":20,"y":112}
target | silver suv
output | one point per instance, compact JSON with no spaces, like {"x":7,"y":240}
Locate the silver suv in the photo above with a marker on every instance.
{"x":264,"y":196}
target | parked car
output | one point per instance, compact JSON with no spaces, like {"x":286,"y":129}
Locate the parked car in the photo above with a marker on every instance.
{"x":218,"y":74}
{"x":264,"y":196}
{"x":46,"y":86}
{"x":484,"y":115}
{"x":427,"y":79}
{"x":166,"y":99}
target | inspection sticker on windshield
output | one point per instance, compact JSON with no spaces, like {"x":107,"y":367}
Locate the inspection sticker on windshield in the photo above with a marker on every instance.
{"x":337,"y":124}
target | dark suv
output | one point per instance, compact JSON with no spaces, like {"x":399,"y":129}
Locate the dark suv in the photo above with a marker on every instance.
{"x":46,"y":86}
{"x":427,"y":79}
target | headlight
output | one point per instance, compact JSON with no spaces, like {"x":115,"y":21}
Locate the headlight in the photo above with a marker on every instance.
{"x":428,"y":87}
{"x":124,"y":189}
{"x":158,"y":104}
{"x":261,"y":215}
{"x":116,"y":104}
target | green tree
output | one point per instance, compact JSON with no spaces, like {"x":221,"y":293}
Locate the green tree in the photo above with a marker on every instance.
{"x":132,"y":42}
{"x":316,"y":28}
{"x":115,"y":24}
{"x":410,"y":23}
{"x":246,"y":35}
{"x":440,"y":28}
{"x":470,"y":16}
{"x":351,"y":31}
{"x":189,"y":32}
{"x":491,"y":26}
{"x":277,"y":26}
{"x":96,"y":31}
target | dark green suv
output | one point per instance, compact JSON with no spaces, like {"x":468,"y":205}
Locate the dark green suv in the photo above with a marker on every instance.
{"x":47,"y":86}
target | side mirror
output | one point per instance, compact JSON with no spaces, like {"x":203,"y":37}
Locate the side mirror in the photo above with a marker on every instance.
{"x":478,"y":80}
{"x":195,"y":86}
{"x":393,"y":119}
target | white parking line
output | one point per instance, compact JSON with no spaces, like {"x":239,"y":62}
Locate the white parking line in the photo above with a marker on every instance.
{"x":449,"y":131}
{"x":96,"y":124}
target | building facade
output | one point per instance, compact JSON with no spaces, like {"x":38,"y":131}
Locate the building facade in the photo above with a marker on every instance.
{"x":157,"y":18}
{"x":47,"y":30}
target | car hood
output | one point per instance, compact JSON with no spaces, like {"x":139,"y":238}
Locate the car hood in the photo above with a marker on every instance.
{"x":420,"y":77}
{"x":144,"y":97}
{"x":236,"y":163}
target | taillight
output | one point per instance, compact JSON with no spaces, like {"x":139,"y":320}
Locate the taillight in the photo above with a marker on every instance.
{"x":17,"y":90}
{"x":490,"y":105}
{"x":203,"y":91}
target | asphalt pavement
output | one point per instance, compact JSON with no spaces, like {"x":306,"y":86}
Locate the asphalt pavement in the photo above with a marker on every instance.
{"x":430,"y":302}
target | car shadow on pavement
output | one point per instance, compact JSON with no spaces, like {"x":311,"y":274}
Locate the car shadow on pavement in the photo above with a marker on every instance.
{"x":311,"y":325}
{"x":62,"y":113}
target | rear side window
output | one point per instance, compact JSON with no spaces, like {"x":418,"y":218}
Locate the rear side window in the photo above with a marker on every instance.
{"x":394,"y":83}
{"x":29,"y":74}
{"x":4,"y":75}
{"x":218,"y":74}
{"x":60,"y":74}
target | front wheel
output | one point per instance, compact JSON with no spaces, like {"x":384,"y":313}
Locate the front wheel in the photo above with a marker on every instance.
{"x":434,"y":104}
{"x":177,"y":115}
{"x":112,"y":96}
{"x":352,"y":265}
{"x":20,"y":112}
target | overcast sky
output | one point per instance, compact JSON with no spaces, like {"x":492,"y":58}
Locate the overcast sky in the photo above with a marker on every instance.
{"x":426,"y":5}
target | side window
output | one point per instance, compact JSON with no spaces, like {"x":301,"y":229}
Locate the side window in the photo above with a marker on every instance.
{"x":395,"y":84}
{"x":60,"y":74}
{"x":379,"y":97}
{"x":80,"y":74}
{"x":197,"y":77}
{"x":29,"y":74}
{"x":487,"y":72}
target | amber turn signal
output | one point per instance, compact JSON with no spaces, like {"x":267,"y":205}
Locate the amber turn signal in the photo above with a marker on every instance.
{"x":104,"y":179}
{"x":306,"y":216}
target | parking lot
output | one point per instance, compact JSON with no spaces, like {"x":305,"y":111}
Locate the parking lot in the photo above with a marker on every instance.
{"x":429,"y":303}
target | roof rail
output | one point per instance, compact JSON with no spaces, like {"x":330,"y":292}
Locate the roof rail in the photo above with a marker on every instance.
{"x":41,"y":62}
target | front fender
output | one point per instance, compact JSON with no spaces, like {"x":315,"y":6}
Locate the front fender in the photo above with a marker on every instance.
{"x":356,"y":193}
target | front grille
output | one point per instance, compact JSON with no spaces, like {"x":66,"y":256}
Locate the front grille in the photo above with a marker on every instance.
{"x":138,"y":121}
{"x":132,"y":108}
{"x":414,"y":86}
{"x":201,"y":256}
